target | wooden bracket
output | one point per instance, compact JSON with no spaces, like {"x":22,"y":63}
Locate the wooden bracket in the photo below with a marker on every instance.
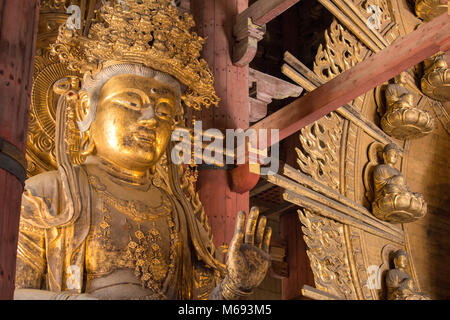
{"x":264,"y":88}
{"x":247,"y":37}
{"x":250,"y":27}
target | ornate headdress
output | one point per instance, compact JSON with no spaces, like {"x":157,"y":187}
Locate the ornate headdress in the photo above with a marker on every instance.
{"x":147,"y":32}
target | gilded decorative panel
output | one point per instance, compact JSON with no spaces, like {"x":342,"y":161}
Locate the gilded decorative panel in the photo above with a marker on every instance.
{"x":340,"y":52}
{"x":319,"y":150}
{"x":328,"y":255}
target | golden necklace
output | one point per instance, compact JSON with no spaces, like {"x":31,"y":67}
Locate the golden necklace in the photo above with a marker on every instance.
{"x":143,"y":252}
{"x":134,"y":208}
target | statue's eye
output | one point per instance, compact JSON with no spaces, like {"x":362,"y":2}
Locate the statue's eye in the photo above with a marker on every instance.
{"x":164,"y":109}
{"x":129,"y":100}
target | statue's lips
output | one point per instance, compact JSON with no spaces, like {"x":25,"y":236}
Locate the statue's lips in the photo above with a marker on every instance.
{"x":145,"y":136}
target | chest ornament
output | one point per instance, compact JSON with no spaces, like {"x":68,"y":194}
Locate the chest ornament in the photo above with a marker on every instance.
{"x":145,"y":251}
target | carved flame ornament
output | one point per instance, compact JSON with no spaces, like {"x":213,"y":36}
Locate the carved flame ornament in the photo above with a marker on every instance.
{"x":318,"y":154}
{"x":327,"y":253}
{"x":342,"y":51}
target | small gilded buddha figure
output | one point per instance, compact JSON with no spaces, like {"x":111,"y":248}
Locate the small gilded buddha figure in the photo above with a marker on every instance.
{"x":124,"y":224}
{"x":397,"y":96}
{"x":400,"y":285}
{"x":394,"y":202}
{"x":436,"y":80}
{"x":402,"y":119}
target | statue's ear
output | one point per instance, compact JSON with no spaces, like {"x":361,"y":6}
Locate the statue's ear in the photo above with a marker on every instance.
{"x":83,"y":106}
{"x":83,"y":112}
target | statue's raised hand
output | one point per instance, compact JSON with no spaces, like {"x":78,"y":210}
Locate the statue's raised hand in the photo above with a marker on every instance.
{"x":248,"y":256}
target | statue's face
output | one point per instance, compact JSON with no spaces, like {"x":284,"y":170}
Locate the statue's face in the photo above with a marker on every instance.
{"x":401,"y":261}
{"x":391,"y":157}
{"x":134,"y":121}
{"x":402,"y":78}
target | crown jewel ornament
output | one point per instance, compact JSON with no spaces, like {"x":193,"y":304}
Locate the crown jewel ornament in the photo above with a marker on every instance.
{"x":147,"y":32}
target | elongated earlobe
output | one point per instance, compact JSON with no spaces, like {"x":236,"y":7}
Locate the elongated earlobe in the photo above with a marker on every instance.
{"x":87,"y":144}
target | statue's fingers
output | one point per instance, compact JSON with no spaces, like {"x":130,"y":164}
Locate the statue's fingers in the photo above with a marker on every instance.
{"x":238,"y":236}
{"x":266,"y":241}
{"x":251,"y":225}
{"x":260,"y":231}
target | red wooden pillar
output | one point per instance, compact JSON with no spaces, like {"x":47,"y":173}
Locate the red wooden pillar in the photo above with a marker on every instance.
{"x":18,"y":29}
{"x":300,"y":272}
{"x":215,"y":20}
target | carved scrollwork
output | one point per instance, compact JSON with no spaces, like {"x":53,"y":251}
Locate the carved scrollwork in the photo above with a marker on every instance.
{"x":327,"y":253}
{"x":342,"y":51}
{"x":318,"y":154}
{"x":54,"y":4}
{"x":384,"y":15}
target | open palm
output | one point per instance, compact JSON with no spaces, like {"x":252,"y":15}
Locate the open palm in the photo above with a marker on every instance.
{"x":248,"y":257}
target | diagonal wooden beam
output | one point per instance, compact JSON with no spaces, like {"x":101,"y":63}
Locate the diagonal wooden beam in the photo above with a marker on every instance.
{"x":406,"y":52}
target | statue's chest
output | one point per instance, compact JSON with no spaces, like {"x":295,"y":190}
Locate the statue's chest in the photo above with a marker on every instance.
{"x":131,"y":233}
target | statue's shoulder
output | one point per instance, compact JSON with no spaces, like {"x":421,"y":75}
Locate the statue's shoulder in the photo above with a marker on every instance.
{"x":44,"y":201}
{"x":44,"y":182}
{"x":392,"y":276}
{"x":47,"y":185}
{"x":380,"y":169}
{"x":49,"y":181}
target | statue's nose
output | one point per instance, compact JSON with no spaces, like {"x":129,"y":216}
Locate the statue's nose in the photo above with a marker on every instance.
{"x":148,"y":116}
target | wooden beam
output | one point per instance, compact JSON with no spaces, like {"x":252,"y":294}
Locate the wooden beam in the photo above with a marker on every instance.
{"x":244,"y":178}
{"x":250,"y":27}
{"x":406,"y":52}
{"x":264,"y":11}
{"x":266,"y":88}
{"x":310,"y":81}
{"x":299,"y":268}
{"x":317,"y":294}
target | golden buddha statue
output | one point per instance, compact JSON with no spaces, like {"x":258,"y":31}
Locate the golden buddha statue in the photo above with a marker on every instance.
{"x":427,"y":10}
{"x":402,"y":119}
{"x":397,"y":96}
{"x":436,"y":80}
{"x":125,"y":224}
{"x":400,"y":285}
{"x":393,"y":201}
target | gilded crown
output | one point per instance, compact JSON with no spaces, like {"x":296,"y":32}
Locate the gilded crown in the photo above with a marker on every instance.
{"x":147,"y":32}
